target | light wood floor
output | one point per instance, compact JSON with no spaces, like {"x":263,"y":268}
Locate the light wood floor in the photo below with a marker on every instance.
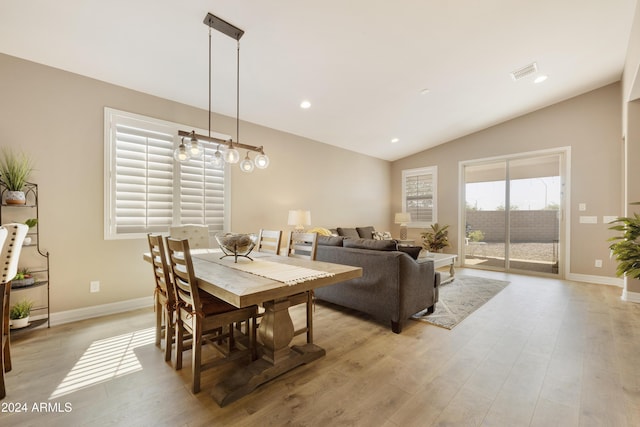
{"x":543,"y":352}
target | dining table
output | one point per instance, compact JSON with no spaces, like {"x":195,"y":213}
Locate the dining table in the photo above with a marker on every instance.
{"x":269,"y":281}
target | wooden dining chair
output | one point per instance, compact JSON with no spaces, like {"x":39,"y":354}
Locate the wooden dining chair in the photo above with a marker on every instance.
{"x":197,"y":234}
{"x":164,"y":295}
{"x":269,"y":241}
{"x":303,"y":245}
{"x":9,"y":257}
{"x":208,"y":319}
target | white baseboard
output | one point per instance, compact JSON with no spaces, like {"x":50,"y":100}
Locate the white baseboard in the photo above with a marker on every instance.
{"x":62,"y":317}
{"x":599,"y":280}
{"x":630,"y":296}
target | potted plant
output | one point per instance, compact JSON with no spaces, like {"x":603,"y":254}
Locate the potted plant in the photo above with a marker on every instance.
{"x":436,"y":239}
{"x":626,"y":248}
{"x":19,"y":314}
{"x":31,"y":222}
{"x":23,"y":278}
{"x":15,"y":169}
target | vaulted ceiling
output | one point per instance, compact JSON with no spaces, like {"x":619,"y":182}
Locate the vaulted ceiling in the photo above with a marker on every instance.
{"x":424,"y":72}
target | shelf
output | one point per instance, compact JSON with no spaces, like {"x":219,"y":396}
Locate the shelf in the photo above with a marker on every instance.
{"x":31,"y":286}
{"x":28,"y":205}
{"x":33,"y":324}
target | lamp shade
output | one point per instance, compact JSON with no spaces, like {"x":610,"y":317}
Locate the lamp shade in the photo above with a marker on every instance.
{"x":299,"y":218}
{"x":403,"y":218}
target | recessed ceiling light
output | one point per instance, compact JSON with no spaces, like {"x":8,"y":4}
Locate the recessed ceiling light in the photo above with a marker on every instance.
{"x":540,"y":79}
{"x":424,"y":91}
{"x":394,"y":140}
{"x":305,"y":104}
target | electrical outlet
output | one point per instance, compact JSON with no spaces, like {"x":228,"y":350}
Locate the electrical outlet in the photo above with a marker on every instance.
{"x":599,"y":263}
{"x":95,"y":286}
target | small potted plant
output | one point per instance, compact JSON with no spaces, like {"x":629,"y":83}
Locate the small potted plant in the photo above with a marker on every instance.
{"x":436,"y":239}
{"x":23,"y":278}
{"x":19,"y":314}
{"x":15,"y":170}
{"x":31,"y":222}
{"x":626,"y":248}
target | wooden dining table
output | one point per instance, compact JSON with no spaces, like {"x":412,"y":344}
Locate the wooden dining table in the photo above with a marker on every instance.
{"x":243,"y":284}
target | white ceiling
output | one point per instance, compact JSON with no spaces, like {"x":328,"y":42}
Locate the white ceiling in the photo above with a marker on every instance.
{"x":361,"y":63}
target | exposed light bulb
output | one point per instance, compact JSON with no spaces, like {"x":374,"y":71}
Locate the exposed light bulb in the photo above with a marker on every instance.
{"x":231,"y":156}
{"x":246,"y":165}
{"x":196,"y":150}
{"x":217,"y":161}
{"x":181,"y":153}
{"x":261,"y":161}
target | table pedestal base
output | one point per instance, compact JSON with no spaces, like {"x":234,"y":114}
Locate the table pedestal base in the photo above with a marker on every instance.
{"x":244,"y":381}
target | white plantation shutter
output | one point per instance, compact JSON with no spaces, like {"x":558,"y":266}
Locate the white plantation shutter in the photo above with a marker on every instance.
{"x":147,"y":191}
{"x":419,"y":195}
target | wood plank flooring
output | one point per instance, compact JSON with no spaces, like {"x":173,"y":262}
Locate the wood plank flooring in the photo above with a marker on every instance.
{"x":543,"y":352}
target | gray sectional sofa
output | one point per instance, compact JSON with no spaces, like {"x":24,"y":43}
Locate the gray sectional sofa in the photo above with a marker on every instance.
{"x":394,"y":285}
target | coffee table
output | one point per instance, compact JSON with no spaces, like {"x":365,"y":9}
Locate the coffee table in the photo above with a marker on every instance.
{"x":441,"y":260}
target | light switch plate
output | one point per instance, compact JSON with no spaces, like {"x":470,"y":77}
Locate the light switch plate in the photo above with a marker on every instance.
{"x":588,"y":219}
{"x":582,"y":207}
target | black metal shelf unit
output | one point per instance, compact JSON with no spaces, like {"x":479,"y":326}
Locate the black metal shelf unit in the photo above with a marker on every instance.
{"x":39,"y":257}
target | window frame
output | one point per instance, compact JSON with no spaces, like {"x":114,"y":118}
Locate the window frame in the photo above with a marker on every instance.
{"x":113,"y":117}
{"x":408,"y":173}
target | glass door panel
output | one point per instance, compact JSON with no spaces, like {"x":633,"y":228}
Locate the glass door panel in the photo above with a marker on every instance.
{"x":534,"y":220}
{"x":485,"y":215}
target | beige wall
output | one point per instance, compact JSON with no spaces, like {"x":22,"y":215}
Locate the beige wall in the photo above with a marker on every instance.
{"x":589,"y":124}
{"x":57,"y":117}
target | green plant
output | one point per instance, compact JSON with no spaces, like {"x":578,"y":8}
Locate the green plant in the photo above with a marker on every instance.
{"x":476,"y":236}
{"x":435,"y":239}
{"x":21,"y":310}
{"x":31,"y":222}
{"x":22,"y":274}
{"x":15,"y":169}
{"x":626,"y":248}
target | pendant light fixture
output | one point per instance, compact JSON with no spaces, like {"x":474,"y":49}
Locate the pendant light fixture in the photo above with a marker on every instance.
{"x":194,"y":149}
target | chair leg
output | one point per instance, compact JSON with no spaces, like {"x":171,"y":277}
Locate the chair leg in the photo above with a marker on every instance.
{"x":179,"y":341}
{"x":7,"y":330}
{"x":159,"y":310}
{"x":168,"y":333}
{"x":196,"y":356}
{"x":310,"y":317}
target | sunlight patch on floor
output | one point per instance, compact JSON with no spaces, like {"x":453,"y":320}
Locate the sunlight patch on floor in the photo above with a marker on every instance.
{"x":104,"y":360}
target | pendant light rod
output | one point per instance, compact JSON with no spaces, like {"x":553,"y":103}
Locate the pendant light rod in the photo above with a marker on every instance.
{"x":228,"y":143}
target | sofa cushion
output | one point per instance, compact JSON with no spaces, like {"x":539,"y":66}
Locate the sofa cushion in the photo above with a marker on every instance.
{"x":330,"y":240}
{"x":413,"y":251}
{"x":321,"y":231}
{"x":376,"y":245}
{"x":365,"y":232}
{"x":348,"y":232}
{"x":382,"y":235}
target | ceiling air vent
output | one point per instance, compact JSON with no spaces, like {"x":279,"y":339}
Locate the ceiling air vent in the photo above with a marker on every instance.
{"x":524,"y":71}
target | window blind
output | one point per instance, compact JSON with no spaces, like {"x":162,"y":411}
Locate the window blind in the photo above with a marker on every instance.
{"x":419,"y":187}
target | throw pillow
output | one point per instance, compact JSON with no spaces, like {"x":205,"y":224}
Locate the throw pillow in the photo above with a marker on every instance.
{"x":330,"y":240}
{"x":321,"y":231}
{"x":365,"y":232}
{"x":348,"y":232}
{"x":412,"y":251}
{"x":382,"y":235}
{"x":377,"y":245}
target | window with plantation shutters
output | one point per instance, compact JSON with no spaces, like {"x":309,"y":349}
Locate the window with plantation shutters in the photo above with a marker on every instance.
{"x":146,"y":190}
{"x":419,"y":195}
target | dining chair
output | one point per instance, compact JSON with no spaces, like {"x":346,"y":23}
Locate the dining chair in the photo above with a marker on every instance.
{"x":9,"y":257}
{"x":163,"y":295}
{"x":303,"y":245}
{"x":269,"y":241}
{"x":197,"y":234}
{"x":205,"y":317}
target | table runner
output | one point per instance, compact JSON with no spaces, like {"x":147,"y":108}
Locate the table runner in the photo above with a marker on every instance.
{"x":285,"y":273}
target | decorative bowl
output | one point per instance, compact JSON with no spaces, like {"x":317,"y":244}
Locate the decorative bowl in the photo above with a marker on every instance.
{"x":236,"y":244}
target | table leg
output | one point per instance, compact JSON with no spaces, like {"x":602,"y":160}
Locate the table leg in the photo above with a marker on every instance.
{"x":452,"y":271}
{"x":276,"y":333}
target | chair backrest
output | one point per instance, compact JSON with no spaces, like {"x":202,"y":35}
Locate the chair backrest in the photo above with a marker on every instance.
{"x":269,"y":241}
{"x":198,"y":235}
{"x":161,"y":269}
{"x":302,"y":245}
{"x":184,"y":278}
{"x":11,"y":249}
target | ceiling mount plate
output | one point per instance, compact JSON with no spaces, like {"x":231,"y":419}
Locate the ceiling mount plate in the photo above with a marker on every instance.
{"x":223,"y":26}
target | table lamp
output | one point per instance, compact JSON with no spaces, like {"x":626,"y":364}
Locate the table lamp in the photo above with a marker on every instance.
{"x":403,"y":218}
{"x":299,"y":218}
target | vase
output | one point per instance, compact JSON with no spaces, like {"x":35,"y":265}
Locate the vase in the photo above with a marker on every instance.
{"x":15,"y":198}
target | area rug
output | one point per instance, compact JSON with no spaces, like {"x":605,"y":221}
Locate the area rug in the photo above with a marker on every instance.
{"x":459,"y":298}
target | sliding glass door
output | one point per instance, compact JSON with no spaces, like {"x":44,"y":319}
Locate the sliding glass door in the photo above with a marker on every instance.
{"x":513,"y":212}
